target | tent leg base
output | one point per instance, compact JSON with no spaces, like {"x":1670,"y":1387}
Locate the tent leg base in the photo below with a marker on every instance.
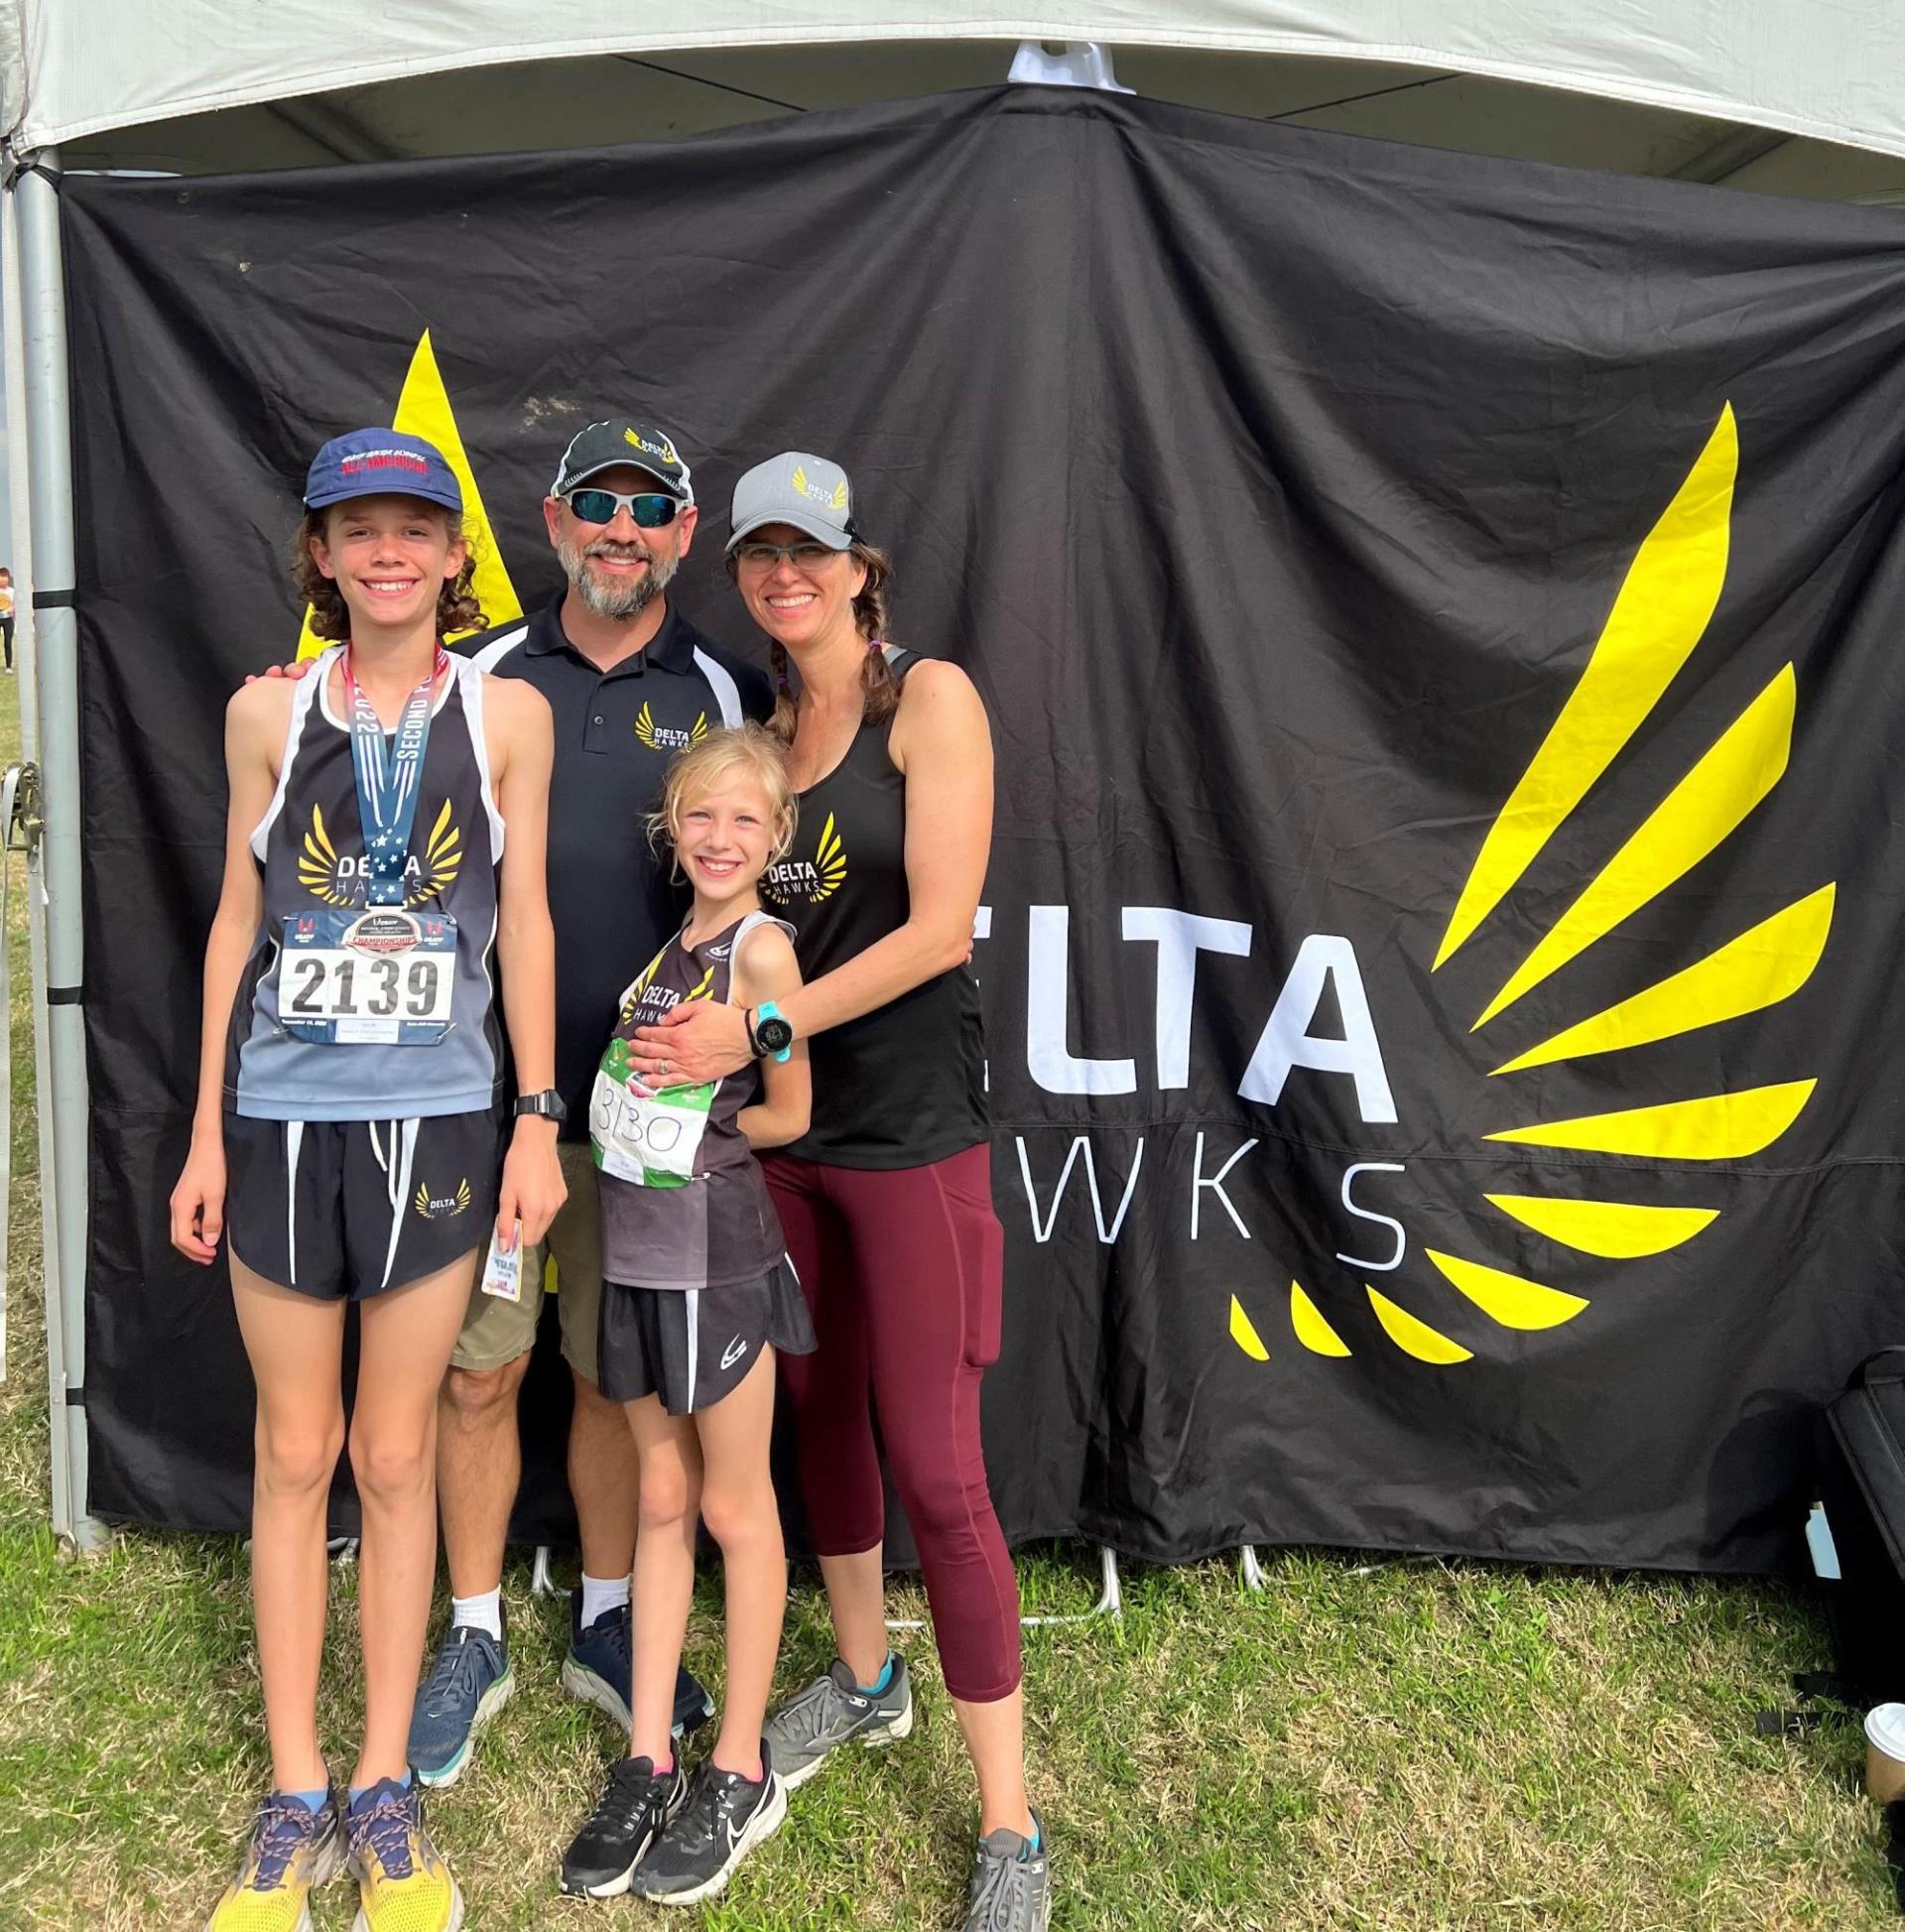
{"x":1110,"y":1599}
{"x":1110,"y":1602}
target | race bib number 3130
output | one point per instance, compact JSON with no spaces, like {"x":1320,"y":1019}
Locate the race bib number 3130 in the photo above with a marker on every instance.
{"x":648,"y":1138}
{"x":381,"y":977}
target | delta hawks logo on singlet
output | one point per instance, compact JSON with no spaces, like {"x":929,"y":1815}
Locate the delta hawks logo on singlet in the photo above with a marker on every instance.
{"x":339,"y":879}
{"x":668,"y":738}
{"x":796,"y":881}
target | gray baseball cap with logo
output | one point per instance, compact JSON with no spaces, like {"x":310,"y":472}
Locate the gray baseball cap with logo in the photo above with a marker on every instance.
{"x":807,"y":491}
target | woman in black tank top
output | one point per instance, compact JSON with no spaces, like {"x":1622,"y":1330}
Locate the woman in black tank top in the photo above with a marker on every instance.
{"x":886,"y":1202}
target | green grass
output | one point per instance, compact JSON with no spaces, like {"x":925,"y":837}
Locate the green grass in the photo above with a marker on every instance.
{"x":1410,"y":1745}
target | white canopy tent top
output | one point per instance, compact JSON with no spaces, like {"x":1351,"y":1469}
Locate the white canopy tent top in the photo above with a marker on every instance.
{"x":1833,"y":73}
{"x":1773,"y":94}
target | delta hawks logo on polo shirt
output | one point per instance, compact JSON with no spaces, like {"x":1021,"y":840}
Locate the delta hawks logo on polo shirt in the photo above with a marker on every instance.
{"x":668,"y":738}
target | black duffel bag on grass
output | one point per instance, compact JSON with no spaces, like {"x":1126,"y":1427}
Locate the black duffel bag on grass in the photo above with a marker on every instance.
{"x":1862,"y":1484}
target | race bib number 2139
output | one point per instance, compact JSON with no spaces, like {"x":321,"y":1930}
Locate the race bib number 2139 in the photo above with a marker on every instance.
{"x":382,"y":977}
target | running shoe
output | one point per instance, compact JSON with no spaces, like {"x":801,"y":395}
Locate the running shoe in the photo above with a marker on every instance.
{"x":402,"y":1885}
{"x":833,"y":1711}
{"x":292,"y":1851}
{"x":470,"y":1682}
{"x":1011,"y":1885}
{"x":724,"y":1818}
{"x":597,"y":1670}
{"x":635,"y":1808}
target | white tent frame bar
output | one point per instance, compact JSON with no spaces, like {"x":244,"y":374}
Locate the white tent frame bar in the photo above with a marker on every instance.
{"x":54,"y":662}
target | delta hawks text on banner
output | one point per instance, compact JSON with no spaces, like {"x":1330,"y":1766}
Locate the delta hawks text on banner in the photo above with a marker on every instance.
{"x":1440,"y":621}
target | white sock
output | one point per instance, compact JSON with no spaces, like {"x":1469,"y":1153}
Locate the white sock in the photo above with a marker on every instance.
{"x":485,"y":1612}
{"x":601,"y":1593}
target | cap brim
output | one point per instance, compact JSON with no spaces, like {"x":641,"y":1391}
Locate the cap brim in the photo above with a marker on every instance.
{"x":349,"y":492}
{"x":822,"y":532}
{"x":668,"y":485}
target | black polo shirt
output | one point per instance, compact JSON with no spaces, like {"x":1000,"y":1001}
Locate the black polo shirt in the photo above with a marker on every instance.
{"x":616,"y":732}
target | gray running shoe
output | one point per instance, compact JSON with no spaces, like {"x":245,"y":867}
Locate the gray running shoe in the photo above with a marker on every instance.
{"x":833,"y":1711}
{"x":1010,"y":1892}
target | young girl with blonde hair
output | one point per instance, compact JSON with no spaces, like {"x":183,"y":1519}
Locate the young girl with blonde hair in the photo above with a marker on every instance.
{"x":698,"y":1298}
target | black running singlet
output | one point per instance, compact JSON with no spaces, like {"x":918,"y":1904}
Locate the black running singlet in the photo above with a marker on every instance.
{"x":683,"y":1202}
{"x":347,"y":1011}
{"x":904,"y":1085}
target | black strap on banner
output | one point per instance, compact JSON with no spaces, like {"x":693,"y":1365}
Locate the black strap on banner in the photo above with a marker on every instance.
{"x":50,"y":176}
{"x":55,"y":600}
{"x":65,"y":996}
{"x":76,"y":1398}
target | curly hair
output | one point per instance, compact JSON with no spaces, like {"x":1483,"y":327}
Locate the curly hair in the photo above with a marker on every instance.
{"x":456,"y":605}
{"x":879,"y":689}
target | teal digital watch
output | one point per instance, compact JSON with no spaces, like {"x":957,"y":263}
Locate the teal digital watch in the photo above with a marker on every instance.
{"x":768,"y":1032}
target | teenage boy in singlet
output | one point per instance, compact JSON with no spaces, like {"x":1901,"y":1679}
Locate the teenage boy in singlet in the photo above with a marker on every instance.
{"x":384,"y":851}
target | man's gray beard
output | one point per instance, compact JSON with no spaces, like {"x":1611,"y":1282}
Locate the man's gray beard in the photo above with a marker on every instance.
{"x":617,"y":603}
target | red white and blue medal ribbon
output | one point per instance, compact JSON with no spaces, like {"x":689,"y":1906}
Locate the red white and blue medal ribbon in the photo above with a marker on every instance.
{"x":390,"y":775}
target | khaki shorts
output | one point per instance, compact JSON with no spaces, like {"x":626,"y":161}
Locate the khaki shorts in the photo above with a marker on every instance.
{"x":496,"y":1331}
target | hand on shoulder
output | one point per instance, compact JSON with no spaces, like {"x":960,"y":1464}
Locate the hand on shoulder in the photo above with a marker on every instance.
{"x":260,"y":700}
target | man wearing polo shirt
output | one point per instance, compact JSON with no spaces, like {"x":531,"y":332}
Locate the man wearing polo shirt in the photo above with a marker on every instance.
{"x":630,"y":681}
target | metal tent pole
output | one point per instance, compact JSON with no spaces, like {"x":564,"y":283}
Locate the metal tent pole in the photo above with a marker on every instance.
{"x":43,"y":293}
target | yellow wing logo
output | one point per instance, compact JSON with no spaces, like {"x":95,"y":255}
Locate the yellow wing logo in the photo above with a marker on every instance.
{"x":668,"y":738}
{"x":318,"y":863}
{"x":810,"y":881}
{"x":442,"y":860}
{"x":837,"y":500}
{"x":1659,"y":616}
{"x":799,"y":478}
{"x":320,"y":873}
{"x":445,"y":1206}
{"x":829,"y":861}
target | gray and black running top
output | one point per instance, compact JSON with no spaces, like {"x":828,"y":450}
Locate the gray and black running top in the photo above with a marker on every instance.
{"x":309,"y":849}
{"x":717,"y":1229}
{"x":905,"y":1085}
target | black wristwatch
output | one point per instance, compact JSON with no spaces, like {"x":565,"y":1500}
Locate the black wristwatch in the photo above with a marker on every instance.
{"x":547,"y":1106}
{"x":767,"y":1032}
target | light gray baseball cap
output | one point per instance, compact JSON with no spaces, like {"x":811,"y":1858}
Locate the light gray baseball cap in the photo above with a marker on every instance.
{"x":807,"y":491}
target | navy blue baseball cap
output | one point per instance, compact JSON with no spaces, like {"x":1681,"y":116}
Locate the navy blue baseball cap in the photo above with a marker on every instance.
{"x":381,"y":462}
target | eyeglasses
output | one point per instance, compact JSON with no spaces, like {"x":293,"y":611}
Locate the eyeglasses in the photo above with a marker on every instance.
{"x":650,"y":509}
{"x":764,"y":557}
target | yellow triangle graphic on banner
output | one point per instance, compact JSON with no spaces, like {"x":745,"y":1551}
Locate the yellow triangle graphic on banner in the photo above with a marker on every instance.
{"x":423,"y":409}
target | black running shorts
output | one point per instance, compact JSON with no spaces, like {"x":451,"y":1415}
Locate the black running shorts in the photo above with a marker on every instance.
{"x":336,"y":1208}
{"x":692,"y":1347}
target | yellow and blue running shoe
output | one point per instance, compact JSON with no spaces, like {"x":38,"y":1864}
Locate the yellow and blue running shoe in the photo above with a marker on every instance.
{"x":402,"y":1885}
{"x":292,"y":1851}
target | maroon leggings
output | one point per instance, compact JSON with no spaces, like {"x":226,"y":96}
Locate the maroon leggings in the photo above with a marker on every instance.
{"x":902,"y":1268}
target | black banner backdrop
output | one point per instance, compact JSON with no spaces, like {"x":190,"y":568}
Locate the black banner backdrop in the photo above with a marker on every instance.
{"x":1408,"y":588}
